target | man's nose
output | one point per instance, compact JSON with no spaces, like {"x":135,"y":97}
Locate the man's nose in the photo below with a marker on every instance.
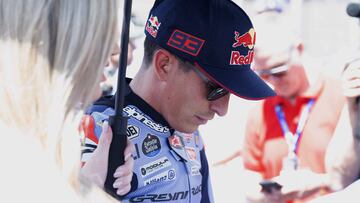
{"x":220,"y":106}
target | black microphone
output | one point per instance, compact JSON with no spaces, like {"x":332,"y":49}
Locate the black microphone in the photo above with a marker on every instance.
{"x":353,"y":10}
{"x":357,"y":125}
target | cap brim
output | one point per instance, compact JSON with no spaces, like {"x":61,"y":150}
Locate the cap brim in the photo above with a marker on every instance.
{"x":242,"y":82}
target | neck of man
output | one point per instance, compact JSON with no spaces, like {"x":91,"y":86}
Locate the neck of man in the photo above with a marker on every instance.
{"x":301,"y":91}
{"x":143,"y":85}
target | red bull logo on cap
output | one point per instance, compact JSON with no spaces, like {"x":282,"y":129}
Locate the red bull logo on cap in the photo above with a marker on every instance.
{"x":246,"y":40}
{"x":238,"y":59}
{"x":152,"y":26}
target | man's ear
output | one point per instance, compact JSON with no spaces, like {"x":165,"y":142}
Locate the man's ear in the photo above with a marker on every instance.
{"x":163,"y":63}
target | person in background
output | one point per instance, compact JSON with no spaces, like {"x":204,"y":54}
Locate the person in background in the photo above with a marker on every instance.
{"x":343,"y":154}
{"x":51,"y":54}
{"x":109,"y":84}
{"x":286,"y":136}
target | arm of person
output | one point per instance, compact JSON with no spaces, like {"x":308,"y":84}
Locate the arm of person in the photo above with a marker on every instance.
{"x":229,"y":158}
{"x":295,"y":184}
{"x":343,"y":153}
{"x":252,"y":154}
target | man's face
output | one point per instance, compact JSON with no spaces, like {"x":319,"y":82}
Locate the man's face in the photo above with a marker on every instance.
{"x":280,"y":71}
{"x":186,"y":105}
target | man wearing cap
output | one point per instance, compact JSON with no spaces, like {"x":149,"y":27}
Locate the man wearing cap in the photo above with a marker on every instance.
{"x":195,"y":54}
{"x":287,"y":135}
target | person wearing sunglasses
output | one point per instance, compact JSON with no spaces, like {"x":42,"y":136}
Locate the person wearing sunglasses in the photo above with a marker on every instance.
{"x":195,"y":54}
{"x":287,"y":135}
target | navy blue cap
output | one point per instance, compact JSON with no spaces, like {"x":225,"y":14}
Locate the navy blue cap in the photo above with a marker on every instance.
{"x":216,"y":36}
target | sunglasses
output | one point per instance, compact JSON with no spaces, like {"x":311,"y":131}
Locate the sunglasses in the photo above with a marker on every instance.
{"x":215,"y":90}
{"x":277,"y":72}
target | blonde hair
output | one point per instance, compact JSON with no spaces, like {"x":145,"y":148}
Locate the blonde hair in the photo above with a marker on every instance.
{"x":51,"y":54}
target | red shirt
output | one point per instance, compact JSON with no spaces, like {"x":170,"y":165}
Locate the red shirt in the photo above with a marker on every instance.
{"x":265,"y":145}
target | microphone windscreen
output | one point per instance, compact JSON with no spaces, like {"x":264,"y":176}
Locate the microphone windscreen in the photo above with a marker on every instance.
{"x":353,"y":10}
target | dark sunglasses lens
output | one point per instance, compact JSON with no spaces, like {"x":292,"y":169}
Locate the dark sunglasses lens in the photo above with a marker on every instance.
{"x":217,"y":93}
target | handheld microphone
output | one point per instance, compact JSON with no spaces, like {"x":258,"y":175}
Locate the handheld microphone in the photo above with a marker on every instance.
{"x":357,"y":127}
{"x":353,"y":10}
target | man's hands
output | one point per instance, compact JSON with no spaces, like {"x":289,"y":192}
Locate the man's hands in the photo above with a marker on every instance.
{"x":95,"y":170}
{"x":351,"y":79}
{"x":300,"y":183}
{"x":296,"y":184}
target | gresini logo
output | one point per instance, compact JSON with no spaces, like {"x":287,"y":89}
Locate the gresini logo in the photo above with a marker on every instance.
{"x":161,"y":197}
{"x":132,"y":112}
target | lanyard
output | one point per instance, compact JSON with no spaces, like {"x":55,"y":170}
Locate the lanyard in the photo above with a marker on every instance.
{"x":292,"y":140}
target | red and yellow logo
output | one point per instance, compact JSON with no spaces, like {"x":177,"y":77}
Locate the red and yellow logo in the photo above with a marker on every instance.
{"x":246,"y":40}
{"x":152,"y":26}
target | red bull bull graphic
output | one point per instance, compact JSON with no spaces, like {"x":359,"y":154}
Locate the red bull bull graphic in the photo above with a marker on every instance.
{"x":152,"y":26}
{"x":246,"y":40}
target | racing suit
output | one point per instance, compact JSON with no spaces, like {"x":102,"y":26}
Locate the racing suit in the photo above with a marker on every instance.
{"x":169,"y":166}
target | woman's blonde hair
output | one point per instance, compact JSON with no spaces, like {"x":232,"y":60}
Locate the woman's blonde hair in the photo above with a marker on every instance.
{"x":51,"y":58}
